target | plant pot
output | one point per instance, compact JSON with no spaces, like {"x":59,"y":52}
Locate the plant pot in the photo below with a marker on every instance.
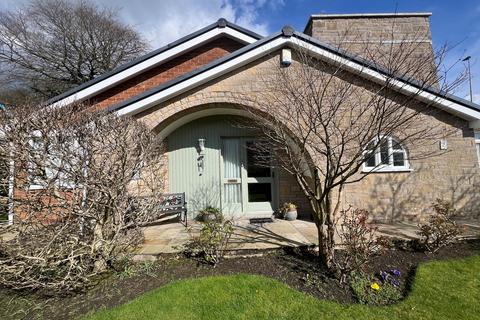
{"x":291,"y":215}
{"x":209,"y":217}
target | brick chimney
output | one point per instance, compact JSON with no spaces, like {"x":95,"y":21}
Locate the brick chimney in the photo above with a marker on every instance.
{"x":377,"y":33}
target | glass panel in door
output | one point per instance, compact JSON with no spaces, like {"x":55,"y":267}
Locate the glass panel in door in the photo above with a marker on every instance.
{"x":259,"y":181}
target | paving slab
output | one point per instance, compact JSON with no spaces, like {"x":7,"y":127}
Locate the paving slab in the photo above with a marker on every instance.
{"x":170,"y":238}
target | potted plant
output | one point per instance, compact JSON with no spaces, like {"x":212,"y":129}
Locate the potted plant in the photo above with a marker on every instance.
{"x":289,"y":211}
{"x":210,"y":214}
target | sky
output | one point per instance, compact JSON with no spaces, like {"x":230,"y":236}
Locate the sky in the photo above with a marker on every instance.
{"x":453,"y":22}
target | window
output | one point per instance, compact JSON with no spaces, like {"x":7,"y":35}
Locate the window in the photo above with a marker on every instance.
{"x":137,"y":172}
{"x":477,"y":144}
{"x":56,"y":160}
{"x":385,"y":154}
{"x":4,"y":182}
{"x":37,"y":172}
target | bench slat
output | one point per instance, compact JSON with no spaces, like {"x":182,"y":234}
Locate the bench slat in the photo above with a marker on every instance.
{"x":172,"y":203}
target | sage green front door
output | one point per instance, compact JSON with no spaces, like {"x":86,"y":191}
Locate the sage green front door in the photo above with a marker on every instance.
{"x":227,"y":178}
{"x":232,"y":176}
{"x":247,"y":188}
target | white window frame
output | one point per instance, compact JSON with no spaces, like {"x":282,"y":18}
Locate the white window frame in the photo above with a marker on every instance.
{"x":49,"y":169}
{"x":11,"y":181}
{"x":34,"y":184}
{"x":387,"y":167}
{"x":138,"y":175}
{"x":477,"y":144}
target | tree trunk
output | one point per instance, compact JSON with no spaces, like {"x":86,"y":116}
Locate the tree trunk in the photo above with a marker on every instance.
{"x":324,"y":249}
{"x":99,"y":265}
{"x":326,"y":232}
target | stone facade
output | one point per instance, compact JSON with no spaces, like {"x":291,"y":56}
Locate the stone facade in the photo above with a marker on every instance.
{"x":370,"y":28}
{"x":407,"y":35}
{"x":289,"y":191}
{"x":402,"y":196}
{"x":451,"y":175}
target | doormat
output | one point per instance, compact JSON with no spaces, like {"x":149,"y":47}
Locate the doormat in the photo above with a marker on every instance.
{"x":260,"y":220}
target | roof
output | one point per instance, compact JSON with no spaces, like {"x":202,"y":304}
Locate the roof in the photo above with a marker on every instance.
{"x":453,"y":104}
{"x":258,"y":48}
{"x":222,"y":26}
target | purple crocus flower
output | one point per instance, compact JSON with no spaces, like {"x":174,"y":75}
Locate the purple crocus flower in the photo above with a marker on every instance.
{"x":394,"y":282}
{"x":395,"y":272}
{"x":383,"y":275}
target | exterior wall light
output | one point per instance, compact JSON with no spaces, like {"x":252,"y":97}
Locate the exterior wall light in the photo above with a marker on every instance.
{"x":201,"y":156}
{"x":201,"y":146}
{"x":286,"y":58}
{"x":443,"y":144}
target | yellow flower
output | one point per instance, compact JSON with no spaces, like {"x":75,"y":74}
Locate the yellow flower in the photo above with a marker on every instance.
{"x":375,"y":286}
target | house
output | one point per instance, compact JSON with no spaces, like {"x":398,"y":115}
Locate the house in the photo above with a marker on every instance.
{"x":188,"y":91}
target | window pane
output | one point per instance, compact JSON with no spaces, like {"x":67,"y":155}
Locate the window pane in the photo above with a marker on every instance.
{"x":259,"y":192}
{"x":371,"y":146}
{"x":477,"y":135}
{"x":256,"y":162}
{"x":384,"y":152}
{"x":396,"y":145}
{"x":4,"y":175}
{"x":398,"y":159}
{"x":370,"y":159}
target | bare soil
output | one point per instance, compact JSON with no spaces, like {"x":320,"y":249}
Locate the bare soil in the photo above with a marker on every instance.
{"x":297,"y":268}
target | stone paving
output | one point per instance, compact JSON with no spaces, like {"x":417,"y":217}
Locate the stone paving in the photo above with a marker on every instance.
{"x":169,"y":238}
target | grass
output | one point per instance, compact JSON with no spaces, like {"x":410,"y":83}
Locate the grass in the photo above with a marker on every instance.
{"x":441,"y":290}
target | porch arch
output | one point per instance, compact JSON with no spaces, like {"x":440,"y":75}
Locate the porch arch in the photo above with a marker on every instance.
{"x":162,"y":118}
{"x":169,"y":125}
{"x":189,"y":112}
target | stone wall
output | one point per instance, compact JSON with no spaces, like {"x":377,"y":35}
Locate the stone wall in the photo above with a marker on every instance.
{"x":451,"y":175}
{"x":374,"y":37}
{"x":370,"y":28}
{"x":290,"y":191}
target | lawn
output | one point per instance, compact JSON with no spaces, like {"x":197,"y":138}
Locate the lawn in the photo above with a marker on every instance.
{"x":441,"y":290}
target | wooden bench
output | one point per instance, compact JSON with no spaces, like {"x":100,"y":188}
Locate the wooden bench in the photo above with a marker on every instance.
{"x":174,"y":203}
{"x":170,"y":204}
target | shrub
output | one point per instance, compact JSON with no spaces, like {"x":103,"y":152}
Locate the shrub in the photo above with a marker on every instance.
{"x":210,"y":211}
{"x":210,"y":245}
{"x":359,"y":241}
{"x":372,"y":291}
{"x":440,"y":229}
{"x":287,"y":206}
{"x":126,"y":268}
{"x":87,"y":215}
{"x":312,"y":280}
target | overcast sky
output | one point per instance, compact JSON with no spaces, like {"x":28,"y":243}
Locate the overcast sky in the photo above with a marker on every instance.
{"x":456,"y":22}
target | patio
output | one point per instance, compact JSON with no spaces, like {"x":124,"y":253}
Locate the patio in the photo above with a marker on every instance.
{"x":170,"y":238}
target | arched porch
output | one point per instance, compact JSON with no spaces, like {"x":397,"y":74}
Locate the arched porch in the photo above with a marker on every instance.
{"x":210,"y":158}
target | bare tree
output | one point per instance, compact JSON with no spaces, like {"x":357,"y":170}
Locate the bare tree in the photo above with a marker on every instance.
{"x":85,"y":182}
{"x":324,"y":122}
{"x":53,"y":45}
